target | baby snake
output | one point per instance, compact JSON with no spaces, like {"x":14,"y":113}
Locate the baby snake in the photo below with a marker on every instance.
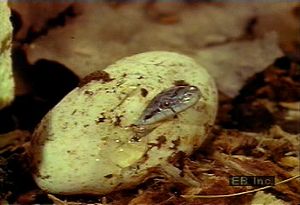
{"x":165,"y":105}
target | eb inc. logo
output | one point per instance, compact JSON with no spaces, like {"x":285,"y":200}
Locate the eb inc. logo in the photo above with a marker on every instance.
{"x":251,"y":181}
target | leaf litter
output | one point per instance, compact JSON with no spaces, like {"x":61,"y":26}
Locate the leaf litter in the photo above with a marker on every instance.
{"x":91,"y":43}
{"x":233,"y":41}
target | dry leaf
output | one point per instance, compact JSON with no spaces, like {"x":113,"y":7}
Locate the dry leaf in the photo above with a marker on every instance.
{"x":233,"y":63}
{"x":13,"y":140}
{"x":261,"y":198}
{"x":279,"y":17}
{"x":90,"y":42}
{"x":34,"y":16}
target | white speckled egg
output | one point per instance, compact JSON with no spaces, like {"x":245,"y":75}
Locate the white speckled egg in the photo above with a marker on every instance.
{"x":84,"y":144}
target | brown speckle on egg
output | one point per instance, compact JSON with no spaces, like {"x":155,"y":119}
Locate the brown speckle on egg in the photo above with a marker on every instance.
{"x":176,"y":143}
{"x":117,"y":122}
{"x":100,"y":119}
{"x":180,"y":83}
{"x":87,"y":92}
{"x":144,"y":92}
{"x":101,"y":75}
{"x":108,"y":176}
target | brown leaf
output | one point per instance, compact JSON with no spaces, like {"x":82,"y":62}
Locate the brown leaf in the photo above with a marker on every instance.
{"x":34,"y":16}
{"x":11,"y":141}
{"x":233,"y":63}
{"x":279,"y":17}
{"x":90,"y":43}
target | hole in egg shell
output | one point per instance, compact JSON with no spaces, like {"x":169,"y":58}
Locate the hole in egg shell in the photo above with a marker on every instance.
{"x":168,"y":103}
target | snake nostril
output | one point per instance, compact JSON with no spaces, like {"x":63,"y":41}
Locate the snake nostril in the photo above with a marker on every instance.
{"x":146,"y":117}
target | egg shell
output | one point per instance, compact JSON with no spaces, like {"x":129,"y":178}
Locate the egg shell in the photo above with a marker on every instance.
{"x":84,"y":144}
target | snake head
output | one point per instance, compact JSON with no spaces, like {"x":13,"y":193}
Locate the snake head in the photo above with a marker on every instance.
{"x":168,"y":103}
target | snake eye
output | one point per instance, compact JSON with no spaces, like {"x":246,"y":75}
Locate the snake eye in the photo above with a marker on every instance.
{"x":166,"y":104}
